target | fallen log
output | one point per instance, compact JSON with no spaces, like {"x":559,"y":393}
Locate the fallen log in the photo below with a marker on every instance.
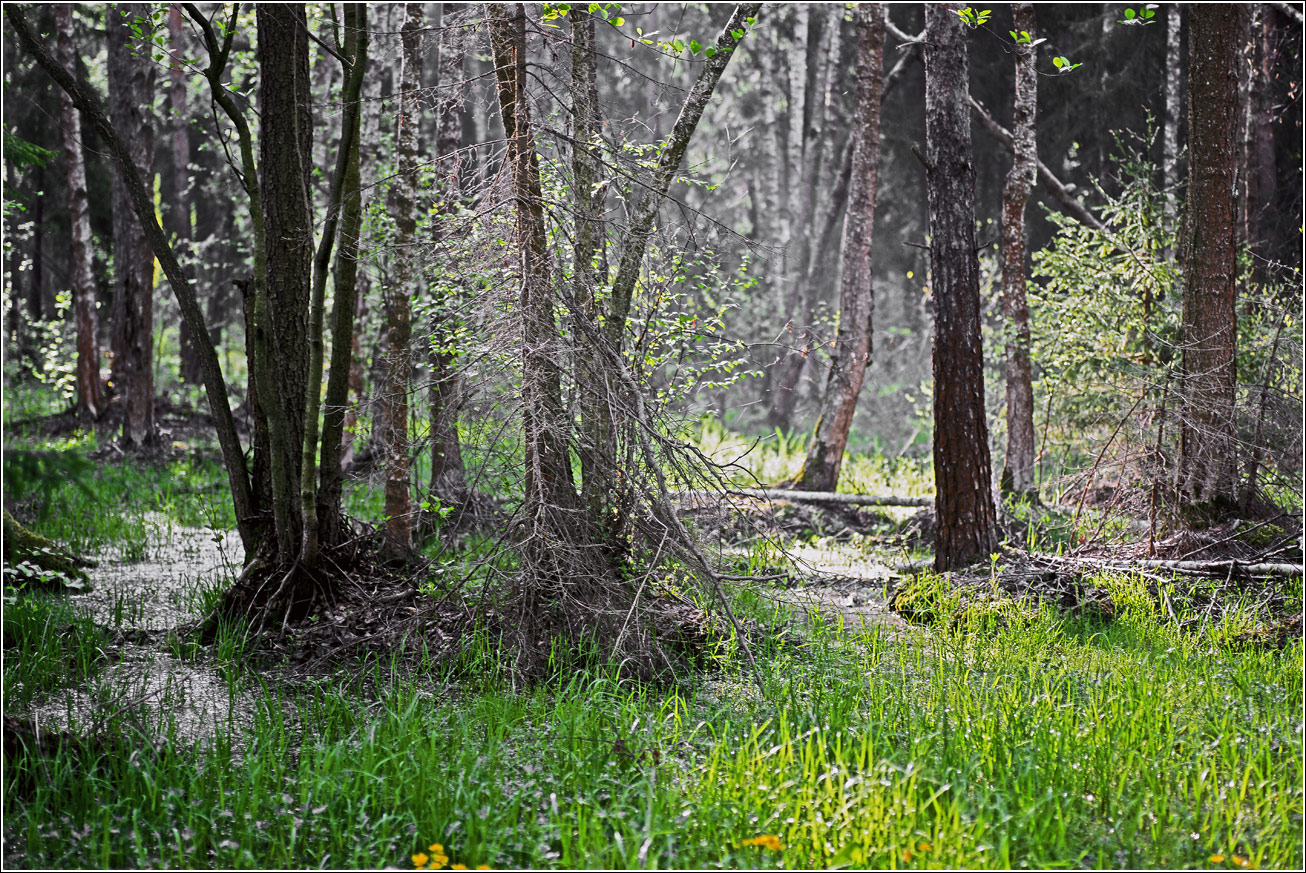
{"x":811,"y":497}
{"x":1204,"y":568}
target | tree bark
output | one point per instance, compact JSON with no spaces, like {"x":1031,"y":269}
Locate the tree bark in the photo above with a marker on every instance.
{"x":344,"y":338}
{"x":131,"y":89}
{"x":550,"y":495}
{"x":345,"y":216}
{"x":399,"y":293}
{"x":852,"y":352}
{"x":1018,"y":471}
{"x":88,"y":349}
{"x":178,"y":203}
{"x":966,"y":518}
{"x":1207,"y":436}
{"x":284,"y":154}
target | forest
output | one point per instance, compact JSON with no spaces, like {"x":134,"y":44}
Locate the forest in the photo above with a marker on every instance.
{"x":637,"y":435}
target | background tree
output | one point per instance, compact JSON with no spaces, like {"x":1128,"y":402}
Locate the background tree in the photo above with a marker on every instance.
{"x":965,"y":514}
{"x":1018,"y":470}
{"x":400,"y":290}
{"x":84,"y":303}
{"x":1208,"y":442}
{"x":131,"y":96}
{"x":852,"y":353}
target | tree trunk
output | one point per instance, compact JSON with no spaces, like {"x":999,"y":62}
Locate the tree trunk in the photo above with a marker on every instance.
{"x":549,"y":483}
{"x":966,"y":518}
{"x":288,"y":234}
{"x":852,"y":353}
{"x":177,"y":212}
{"x":597,"y":473}
{"x":1207,"y":438}
{"x":344,"y":337}
{"x":88,"y":349}
{"x":1018,"y":471}
{"x":399,"y":293}
{"x":1173,"y":109}
{"x":447,"y":479}
{"x":343,"y":183}
{"x":131,"y":89}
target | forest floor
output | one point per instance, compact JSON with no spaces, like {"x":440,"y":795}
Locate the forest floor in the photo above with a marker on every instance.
{"x":901,"y":721}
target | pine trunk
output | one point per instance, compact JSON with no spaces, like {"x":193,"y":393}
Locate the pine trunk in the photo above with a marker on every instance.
{"x":1207,"y":438}
{"x":131,"y":88}
{"x":966,"y":518}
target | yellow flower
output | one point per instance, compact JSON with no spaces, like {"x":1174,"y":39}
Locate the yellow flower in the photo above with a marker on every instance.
{"x":1240,"y":860}
{"x":458,"y":867}
{"x":906,"y":856}
{"x":923,"y":847}
{"x":1217,"y":859}
{"x":482,"y":866}
{"x":766,"y":841}
{"x":436,"y":848}
{"x":419,"y":860}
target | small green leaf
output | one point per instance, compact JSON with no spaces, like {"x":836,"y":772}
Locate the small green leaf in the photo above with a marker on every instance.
{"x":618,"y":21}
{"x":750,"y":21}
{"x":1129,"y":14}
{"x":695,"y":46}
{"x":710,"y":52}
{"x":1058,"y":62}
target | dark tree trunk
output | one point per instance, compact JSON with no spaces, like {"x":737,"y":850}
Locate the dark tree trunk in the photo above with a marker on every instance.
{"x":1207,"y":439}
{"x":966,"y":517}
{"x":852,"y":352}
{"x":344,"y":345}
{"x":288,"y":233}
{"x":177,"y":211}
{"x":1018,"y":471}
{"x":345,"y":217}
{"x":399,"y":293}
{"x":88,"y":349}
{"x":131,"y":89}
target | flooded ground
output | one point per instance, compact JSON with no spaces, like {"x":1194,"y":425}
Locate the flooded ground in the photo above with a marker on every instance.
{"x":141,"y":602}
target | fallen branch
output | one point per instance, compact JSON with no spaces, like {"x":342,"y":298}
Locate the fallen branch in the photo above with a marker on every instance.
{"x":811,"y":497}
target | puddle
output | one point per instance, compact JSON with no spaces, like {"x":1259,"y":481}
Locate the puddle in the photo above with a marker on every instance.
{"x":147,"y":685}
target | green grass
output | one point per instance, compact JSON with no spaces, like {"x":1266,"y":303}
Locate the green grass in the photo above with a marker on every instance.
{"x":1018,"y":737}
{"x":1056,"y":744}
